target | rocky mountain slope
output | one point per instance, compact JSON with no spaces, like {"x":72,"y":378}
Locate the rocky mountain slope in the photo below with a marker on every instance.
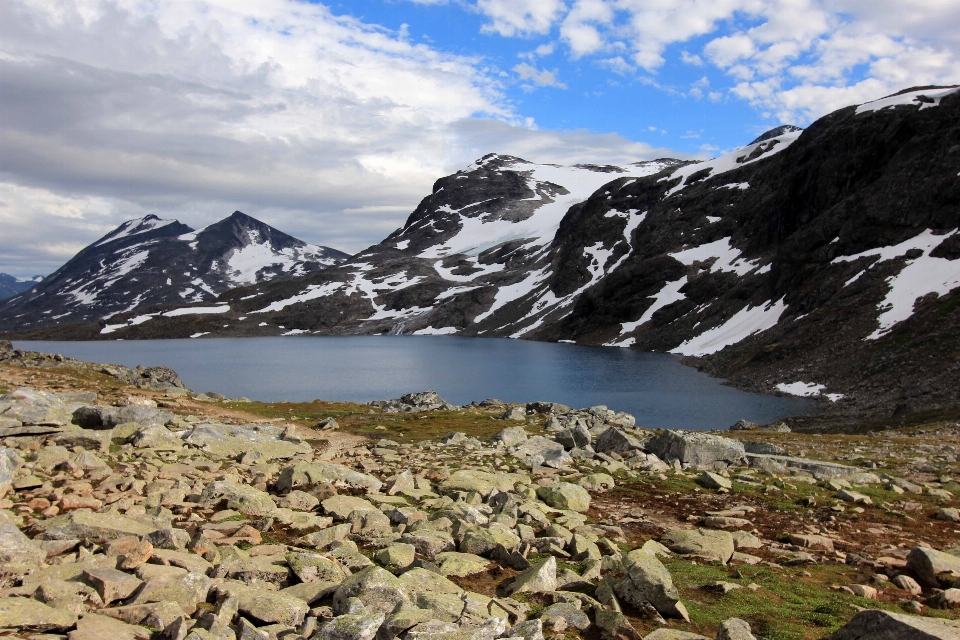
{"x":11,"y":286}
{"x":134,"y":508}
{"x":820,"y":262}
{"x":149,"y":262}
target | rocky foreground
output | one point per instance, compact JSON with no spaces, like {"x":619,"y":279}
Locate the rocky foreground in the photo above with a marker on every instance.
{"x":134,"y":508}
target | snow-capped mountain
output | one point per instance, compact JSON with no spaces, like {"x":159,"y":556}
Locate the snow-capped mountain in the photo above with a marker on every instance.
{"x":150,"y":262}
{"x":817,"y":262}
{"x":11,"y":285}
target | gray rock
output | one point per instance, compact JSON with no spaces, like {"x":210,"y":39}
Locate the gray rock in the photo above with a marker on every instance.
{"x":563,"y":615}
{"x":614,"y":625}
{"x":714,"y":481}
{"x":103,"y":417}
{"x":483,"y":540}
{"x":378,"y":589}
{"x":305,"y":474}
{"x":875,"y":624}
{"x":704,"y":543}
{"x":575,"y":436}
{"x":540,"y":578}
{"x":697,"y":449}
{"x":616,"y":441}
{"x":565,"y":495}
{"x":355,"y":626}
{"x":15,"y":547}
{"x":89,"y":527}
{"x":784,"y":464}
{"x":514,"y":413}
{"x":765,"y":448}
{"x":155,"y":437}
{"x":927,"y":563}
{"x":511,"y":436}
{"x":9,"y":463}
{"x":241,"y":497}
{"x":231,"y":441}
{"x":32,"y":407}
{"x":735,"y":629}
{"x":267,"y":606}
{"x":24,"y":614}
{"x":647,"y":581}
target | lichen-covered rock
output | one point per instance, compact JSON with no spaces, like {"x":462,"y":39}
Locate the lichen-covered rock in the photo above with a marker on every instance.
{"x":452,"y":563}
{"x":703,"y":543}
{"x":243,"y":498}
{"x":647,"y":581}
{"x":927,"y":563}
{"x":563,"y":615}
{"x":341,"y":507}
{"x":396,"y":556}
{"x":735,"y":629}
{"x":9,"y":463}
{"x":104,"y":417}
{"x":565,"y":495}
{"x":15,"y":547}
{"x":311,"y":567}
{"x":100,"y":627}
{"x":483,"y":540}
{"x":540,"y":578}
{"x":34,"y":407}
{"x":701,"y":450}
{"x":614,"y":440}
{"x":483,"y":482}
{"x":875,"y":624}
{"x":23,"y":614}
{"x":270,"y":607}
{"x":377,"y":588}
{"x":597,"y":482}
{"x":354,"y":626}
{"x":304,"y":474}
{"x":187,"y":590}
{"x":157,"y":438}
{"x":511,"y":436}
{"x":90,"y":527}
{"x":232,"y":441}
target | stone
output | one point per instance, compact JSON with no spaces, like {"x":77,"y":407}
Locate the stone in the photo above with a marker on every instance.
{"x":99,"y":627}
{"x":483,"y":540}
{"x":673,"y":634}
{"x":647,"y":581}
{"x":232,"y":441}
{"x":88,"y":527}
{"x":24,"y":614}
{"x":154,"y":614}
{"x":401,"y":620}
{"x":341,"y":507}
{"x":356,"y":626}
{"x":697,"y":449}
{"x":311,"y":473}
{"x":104,"y":417}
{"x":429,"y":543}
{"x":452,"y":563}
{"x":299,"y":501}
{"x":926,"y":564}
{"x":875,"y":624}
{"x":863,"y":591}
{"x":377,"y":588}
{"x":404,"y":482}
{"x":948,"y":514}
{"x":10,"y":462}
{"x":261,"y":570}
{"x":243,"y":498}
{"x":614,"y":625}
{"x":735,"y":629}
{"x":704,"y":543}
{"x":312,"y":567}
{"x":157,"y":438}
{"x":396,"y":556}
{"x":785,"y":464}
{"x":563,"y":615}
{"x":614,"y":440}
{"x":270,"y":607}
{"x":33,"y":407}
{"x":812,"y":541}
{"x":949,"y":599}
{"x":576,"y":436}
{"x":852,"y":496}
{"x":714,"y":481}
{"x":565,"y":495}
{"x":187,"y":590}
{"x":597,"y":482}
{"x":908,"y":584}
{"x":322,"y":539}
{"x":514,"y":413}
{"x":540,"y":578}
{"x":511,"y":436}
{"x":483,"y":482}
{"x":112,"y":585}
{"x":15,"y":547}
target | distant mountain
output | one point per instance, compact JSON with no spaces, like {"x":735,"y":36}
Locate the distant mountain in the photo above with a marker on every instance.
{"x":821,"y":262}
{"x":150,"y":262}
{"x":11,"y":286}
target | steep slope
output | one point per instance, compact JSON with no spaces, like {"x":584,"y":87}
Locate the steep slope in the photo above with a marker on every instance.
{"x":11,"y":286}
{"x":821,"y":262}
{"x":149,"y":262}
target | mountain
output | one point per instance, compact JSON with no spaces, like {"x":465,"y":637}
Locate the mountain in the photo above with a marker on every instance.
{"x":149,"y":262}
{"x":822,"y":262}
{"x":11,"y":286}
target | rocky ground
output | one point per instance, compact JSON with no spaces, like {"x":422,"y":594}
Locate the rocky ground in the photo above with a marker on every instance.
{"x":131,"y":507}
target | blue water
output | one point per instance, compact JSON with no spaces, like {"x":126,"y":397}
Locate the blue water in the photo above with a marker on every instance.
{"x":654,"y":387}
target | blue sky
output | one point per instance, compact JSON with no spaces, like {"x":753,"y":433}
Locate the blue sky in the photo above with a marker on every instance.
{"x":331,"y":120}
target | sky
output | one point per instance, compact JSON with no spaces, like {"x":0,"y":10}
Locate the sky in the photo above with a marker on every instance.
{"x":331,"y":120}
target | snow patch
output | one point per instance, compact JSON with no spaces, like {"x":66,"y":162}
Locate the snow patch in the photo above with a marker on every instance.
{"x":743,"y":324}
{"x":403,"y":244}
{"x":188,"y":311}
{"x":727,"y":257}
{"x":197,"y":335}
{"x":432,"y":331}
{"x":312,"y":292}
{"x":912,"y":98}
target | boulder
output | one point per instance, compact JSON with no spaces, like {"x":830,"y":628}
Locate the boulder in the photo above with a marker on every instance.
{"x":312,"y":567}
{"x":510,"y":437}
{"x":785,"y":464}
{"x":23,"y":614}
{"x":483,"y":540}
{"x":9,"y":463}
{"x":187,"y":590}
{"x":103,"y":417}
{"x":875,"y":624}
{"x":98,"y":627}
{"x":378,"y":589}
{"x":714,"y":481}
{"x":452,"y":563}
{"x":597,"y":482}
{"x":576,"y":436}
{"x":269,"y":607}
{"x":33,"y":407}
{"x":156,"y":437}
{"x":396,"y":556}
{"x":309,"y":473}
{"x":17,"y":548}
{"x":703,"y":543}
{"x":565,"y":495}
{"x":353,"y":626}
{"x":927,"y":563}
{"x":701,"y":450}
{"x":243,"y":498}
{"x":735,"y":629}
{"x":647,"y":581}
{"x":540,"y":578}
{"x":614,"y":625}
{"x":483,"y":482}
{"x":614,"y":440}
{"x":341,"y":507}
{"x":89,"y":527}
{"x":232,"y":441}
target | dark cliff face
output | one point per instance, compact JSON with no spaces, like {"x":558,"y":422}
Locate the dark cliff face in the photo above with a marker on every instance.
{"x":823,"y":259}
{"x":150,"y":262}
{"x":11,"y":286}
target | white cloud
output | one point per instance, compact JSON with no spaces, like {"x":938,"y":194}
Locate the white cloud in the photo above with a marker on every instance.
{"x":324,"y":126}
{"x":541,"y":78}
{"x":520,"y":17}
